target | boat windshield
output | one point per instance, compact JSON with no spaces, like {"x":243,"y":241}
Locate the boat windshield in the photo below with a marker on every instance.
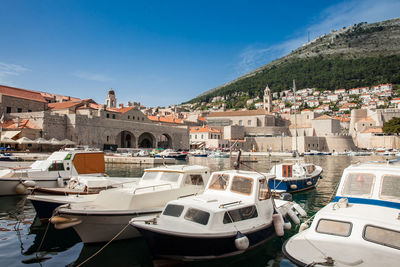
{"x":219,"y":181}
{"x":242,"y":185}
{"x":150,"y":175}
{"x":390,"y":187}
{"x":358,"y":184}
{"x":170,"y":176}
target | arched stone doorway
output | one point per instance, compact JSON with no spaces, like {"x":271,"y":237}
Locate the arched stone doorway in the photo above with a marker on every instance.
{"x":164,"y":141}
{"x":126,"y":139}
{"x":146,"y":140}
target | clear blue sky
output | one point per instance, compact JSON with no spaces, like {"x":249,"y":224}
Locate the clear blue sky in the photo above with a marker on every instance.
{"x":159,"y":52}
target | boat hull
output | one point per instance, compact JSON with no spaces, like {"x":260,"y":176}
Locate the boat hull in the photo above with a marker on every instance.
{"x":8,"y":185}
{"x":289,"y":185}
{"x":44,"y":209}
{"x":99,"y":228}
{"x":164,"y":245}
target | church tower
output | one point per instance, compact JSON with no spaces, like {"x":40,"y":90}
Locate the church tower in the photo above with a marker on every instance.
{"x":111,"y":101}
{"x":267,"y":99}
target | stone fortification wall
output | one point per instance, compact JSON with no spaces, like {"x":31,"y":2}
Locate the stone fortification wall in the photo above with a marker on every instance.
{"x":371,"y":141}
{"x":356,"y":115}
{"x":269,"y":130}
{"x":340,"y":143}
{"x":264,"y":144}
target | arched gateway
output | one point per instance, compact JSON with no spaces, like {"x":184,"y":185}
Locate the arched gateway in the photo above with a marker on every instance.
{"x":146,"y":140}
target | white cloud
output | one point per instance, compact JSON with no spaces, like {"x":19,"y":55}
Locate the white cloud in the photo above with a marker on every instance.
{"x":332,"y":18}
{"x":7,"y":70}
{"x":92,"y":76}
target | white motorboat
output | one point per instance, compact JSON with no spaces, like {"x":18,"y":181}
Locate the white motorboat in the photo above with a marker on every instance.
{"x":169,"y":153}
{"x":294,"y":176}
{"x":79,"y":189}
{"x":235,"y":213}
{"x":361,"y":227}
{"x":57,"y":169}
{"x":101,"y":219}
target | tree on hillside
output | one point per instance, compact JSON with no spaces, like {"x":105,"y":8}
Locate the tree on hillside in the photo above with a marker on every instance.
{"x":392,"y":126}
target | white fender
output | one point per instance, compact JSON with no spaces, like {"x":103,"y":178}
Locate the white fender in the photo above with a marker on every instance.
{"x":293,"y":186}
{"x":241,"y":241}
{"x":287,"y":225}
{"x":29,"y":183}
{"x":20,"y":189}
{"x":278,"y":224}
{"x":300,"y":210}
{"x":303,"y":227}
{"x":293,"y":216}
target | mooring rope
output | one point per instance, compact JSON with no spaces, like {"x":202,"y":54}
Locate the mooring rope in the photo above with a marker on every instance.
{"x":103,"y":247}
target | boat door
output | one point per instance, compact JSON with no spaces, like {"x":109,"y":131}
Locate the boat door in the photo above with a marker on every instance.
{"x":287,"y":170}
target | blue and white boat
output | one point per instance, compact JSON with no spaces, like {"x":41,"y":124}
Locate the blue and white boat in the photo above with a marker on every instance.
{"x":235,"y":213}
{"x":169,"y":153}
{"x":294,"y":176}
{"x":361,"y":227}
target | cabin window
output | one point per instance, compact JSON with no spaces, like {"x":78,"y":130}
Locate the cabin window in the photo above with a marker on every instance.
{"x":68,"y":157}
{"x":263,"y":191}
{"x":170,"y":176}
{"x":382,"y":236}
{"x":390,"y":187}
{"x":219,"y":182}
{"x":150,"y":175}
{"x":358,"y":184}
{"x":332,"y":227}
{"x":194,"y":179}
{"x":240,"y":214}
{"x":56,"y":166}
{"x":197,"y":216}
{"x":242,"y":185}
{"x":287,"y":170}
{"x":310,"y":168}
{"x":173,"y":210}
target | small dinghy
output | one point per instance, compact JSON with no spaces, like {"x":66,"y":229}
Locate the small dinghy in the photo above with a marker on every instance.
{"x":235,"y":213}
{"x":361,"y":227}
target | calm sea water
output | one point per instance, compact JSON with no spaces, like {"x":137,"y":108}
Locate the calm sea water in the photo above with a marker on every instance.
{"x":22,"y":243}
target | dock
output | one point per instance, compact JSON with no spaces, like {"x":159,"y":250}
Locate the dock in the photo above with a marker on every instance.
{"x":138,"y":160}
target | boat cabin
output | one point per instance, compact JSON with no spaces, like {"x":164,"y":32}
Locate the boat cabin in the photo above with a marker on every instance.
{"x":292,"y":170}
{"x":371,"y":183}
{"x":64,"y":164}
{"x":230,"y":197}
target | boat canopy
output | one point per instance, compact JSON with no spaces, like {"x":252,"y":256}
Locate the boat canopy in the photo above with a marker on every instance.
{"x":86,"y":163}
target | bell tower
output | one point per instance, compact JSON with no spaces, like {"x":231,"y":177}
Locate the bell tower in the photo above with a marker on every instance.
{"x":267,"y":99}
{"x":111,"y":101}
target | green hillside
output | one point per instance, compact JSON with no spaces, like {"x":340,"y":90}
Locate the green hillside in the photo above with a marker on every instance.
{"x":361,"y":55}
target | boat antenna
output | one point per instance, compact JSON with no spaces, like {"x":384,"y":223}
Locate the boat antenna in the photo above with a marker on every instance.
{"x":295,"y":114}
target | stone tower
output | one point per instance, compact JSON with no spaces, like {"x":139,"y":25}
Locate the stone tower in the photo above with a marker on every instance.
{"x":267,"y":99}
{"x":111,"y":101}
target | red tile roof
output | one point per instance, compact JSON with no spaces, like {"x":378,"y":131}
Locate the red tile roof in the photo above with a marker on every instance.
{"x":204,"y":129}
{"x":22,"y":124}
{"x":22,"y":93}
{"x":64,"y":105}
{"x":165,"y":119}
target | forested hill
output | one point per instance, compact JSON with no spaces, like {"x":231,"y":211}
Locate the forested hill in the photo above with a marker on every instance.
{"x":356,"y":56}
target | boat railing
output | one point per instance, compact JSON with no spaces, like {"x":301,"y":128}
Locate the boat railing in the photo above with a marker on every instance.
{"x":151,"y":186}
{"x":229,"y":204}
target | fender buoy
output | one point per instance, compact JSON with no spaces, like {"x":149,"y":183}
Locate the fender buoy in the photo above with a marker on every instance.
{"x":292,"y":215}
{"x":278,"y":224}
{"x":20,"y":189}
{"x":241,"y":241}
{"x":303,"y":227}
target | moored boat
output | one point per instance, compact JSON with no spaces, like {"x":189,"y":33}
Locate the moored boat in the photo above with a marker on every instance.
{"x":79,"y":189}
{"x":55,"y":171}
{"x":361,"y":227}
{"x":101,"y":219}
{"x":235,"y":213}
{"x":169,"y":153}
{"x":294,"y":176}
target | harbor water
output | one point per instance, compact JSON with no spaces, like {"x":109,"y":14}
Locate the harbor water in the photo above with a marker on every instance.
{"x":25,"y":241}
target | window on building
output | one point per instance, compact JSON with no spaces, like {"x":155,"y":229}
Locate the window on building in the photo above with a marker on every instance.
{"x":240,"y":123}
{"x":19,"y":110}
{"x":8,"y":110}
{"x":108,"y":138}
{"x":249,"y":122}
{"x":142,"y":118}
{"x":29,"y":110}
{"x":107,"y":115}
{"x":133,"y":117}
{"x":202,"y":137}
{"x":138,"y":118}
{"x":113,"y":116}
{"x":129,"y":117}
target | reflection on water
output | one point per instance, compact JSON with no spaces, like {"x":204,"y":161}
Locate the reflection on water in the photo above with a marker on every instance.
{"x":21,"y":234}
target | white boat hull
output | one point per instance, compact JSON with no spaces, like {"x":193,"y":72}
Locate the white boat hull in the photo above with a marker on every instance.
{"x":8,"y":186}
{"x":102,"y":228}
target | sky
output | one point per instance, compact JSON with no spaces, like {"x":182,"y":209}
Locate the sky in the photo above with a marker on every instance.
{"x":159,"y":52}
